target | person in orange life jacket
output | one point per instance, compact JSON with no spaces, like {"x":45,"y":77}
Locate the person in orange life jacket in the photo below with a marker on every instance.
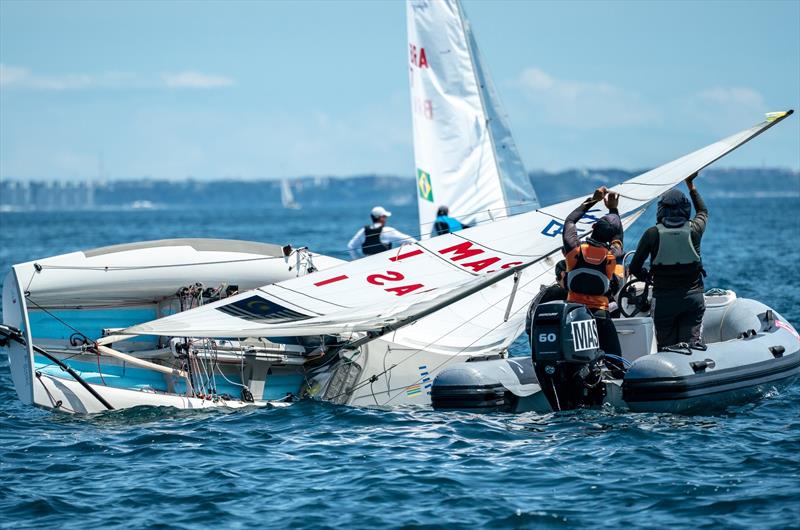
{"x":444,"y":224}
{"x":377,"y":237}
{"x":592,"y":265}
{"x":676,"y":269}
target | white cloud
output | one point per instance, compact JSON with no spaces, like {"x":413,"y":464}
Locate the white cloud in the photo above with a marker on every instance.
{"x":23,"y":78}
{"x":723,"y":109}
{"x":735,"y":96}
{"x":585,"y":104}
{"x":10,"y":75}
{"x":196,"y":80}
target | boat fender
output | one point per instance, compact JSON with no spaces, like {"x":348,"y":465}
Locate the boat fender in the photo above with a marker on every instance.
{"x":700,"y":366}
{"x":777,"y":351}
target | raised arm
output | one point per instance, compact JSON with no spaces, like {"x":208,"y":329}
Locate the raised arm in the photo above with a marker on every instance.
{"x":701,"y":211}
{"x":570,"y":234}
{"x":617,"y":248}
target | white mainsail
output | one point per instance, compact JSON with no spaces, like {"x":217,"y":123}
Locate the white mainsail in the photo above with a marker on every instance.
{"x":465,"y":156}
{"x":375,"y":293}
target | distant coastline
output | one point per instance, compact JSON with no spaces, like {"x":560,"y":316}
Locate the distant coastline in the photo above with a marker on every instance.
{"x":150,"y":194}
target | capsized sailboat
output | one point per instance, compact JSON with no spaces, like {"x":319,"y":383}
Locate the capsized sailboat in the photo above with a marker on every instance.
{"x":373,"y":332}
{"x":358,"y":317}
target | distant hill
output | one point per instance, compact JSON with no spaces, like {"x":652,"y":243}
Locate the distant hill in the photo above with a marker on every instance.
{"x":363,"y":189}
{"x":739,"y":182}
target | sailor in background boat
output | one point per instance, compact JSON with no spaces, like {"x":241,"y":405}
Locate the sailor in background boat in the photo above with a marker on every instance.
{"x":444,"y":224}
{"x":592,"y":265}
{"x":377,"y":237}
{"x":676,"y":269}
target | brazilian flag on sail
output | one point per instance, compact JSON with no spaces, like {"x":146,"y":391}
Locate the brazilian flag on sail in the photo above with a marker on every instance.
{"x":424,"y":185}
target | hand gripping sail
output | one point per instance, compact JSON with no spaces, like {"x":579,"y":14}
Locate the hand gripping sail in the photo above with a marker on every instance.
{"x":465,"y":156}
{"x":455,"y":274}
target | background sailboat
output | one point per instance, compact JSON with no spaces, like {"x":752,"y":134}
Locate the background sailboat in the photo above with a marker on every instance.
{"x":287,"y":197}
{"x":465,"y":156}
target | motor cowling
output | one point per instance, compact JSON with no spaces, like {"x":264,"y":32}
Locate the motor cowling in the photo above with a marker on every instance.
{"x":566,"y":355}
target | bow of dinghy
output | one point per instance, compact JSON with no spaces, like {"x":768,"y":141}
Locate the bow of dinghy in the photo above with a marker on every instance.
{"x":59,"y":312}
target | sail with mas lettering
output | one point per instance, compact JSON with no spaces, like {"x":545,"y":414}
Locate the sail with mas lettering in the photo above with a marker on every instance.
{"x":475,"y":267}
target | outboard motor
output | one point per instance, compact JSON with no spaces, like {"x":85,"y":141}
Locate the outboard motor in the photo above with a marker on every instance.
{"x":566,"y":355}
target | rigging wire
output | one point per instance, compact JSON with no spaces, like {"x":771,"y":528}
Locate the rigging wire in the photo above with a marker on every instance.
{"x":70,"y":326}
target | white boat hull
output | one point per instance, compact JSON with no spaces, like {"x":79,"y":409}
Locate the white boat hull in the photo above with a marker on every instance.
{"x":92,"y":293}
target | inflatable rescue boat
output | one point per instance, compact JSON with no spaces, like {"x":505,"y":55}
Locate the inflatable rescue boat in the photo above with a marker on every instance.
{"x":749,"y":350}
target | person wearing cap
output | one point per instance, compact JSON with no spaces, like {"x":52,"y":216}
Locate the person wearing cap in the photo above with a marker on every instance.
{"x":377,"y":237}
{"x":592,"y":265}
{"x":676,"y":269}
{"x":444,"y":224}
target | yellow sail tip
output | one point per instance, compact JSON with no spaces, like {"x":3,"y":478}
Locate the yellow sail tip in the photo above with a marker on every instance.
{"x":772,"y":116}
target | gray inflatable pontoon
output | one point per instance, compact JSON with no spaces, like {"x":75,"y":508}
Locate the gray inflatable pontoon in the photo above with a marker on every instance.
{"x":751,"y":350}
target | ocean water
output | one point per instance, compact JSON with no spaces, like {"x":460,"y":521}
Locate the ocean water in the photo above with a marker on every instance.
{"x":318,"y":465}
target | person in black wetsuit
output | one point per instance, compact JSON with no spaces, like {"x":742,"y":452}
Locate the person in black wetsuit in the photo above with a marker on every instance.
{"x":551,"y":293}
{"x":676,"y":268}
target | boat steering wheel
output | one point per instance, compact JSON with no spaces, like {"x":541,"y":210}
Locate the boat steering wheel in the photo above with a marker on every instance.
{"x":639,"y":303}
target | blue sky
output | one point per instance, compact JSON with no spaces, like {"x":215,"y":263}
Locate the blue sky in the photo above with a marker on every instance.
{"x":274,"y":89}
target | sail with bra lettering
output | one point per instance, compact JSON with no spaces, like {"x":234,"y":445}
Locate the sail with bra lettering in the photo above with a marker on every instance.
{"x":464,"y":154}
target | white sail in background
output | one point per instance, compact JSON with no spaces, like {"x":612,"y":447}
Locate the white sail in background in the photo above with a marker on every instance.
{"x":465,"y":156}
{"x":375,"y":293}
{"x":287,"y":197}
